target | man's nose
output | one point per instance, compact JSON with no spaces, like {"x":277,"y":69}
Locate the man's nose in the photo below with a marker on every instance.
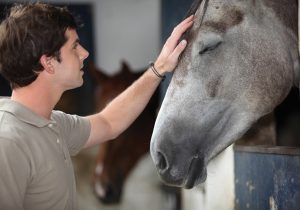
{"x":84,"y":53}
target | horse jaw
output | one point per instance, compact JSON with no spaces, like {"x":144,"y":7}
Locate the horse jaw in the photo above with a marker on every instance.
{"x":183,"y":142}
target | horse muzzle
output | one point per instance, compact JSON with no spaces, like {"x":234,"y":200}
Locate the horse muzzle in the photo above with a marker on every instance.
{"x":188,"y":175}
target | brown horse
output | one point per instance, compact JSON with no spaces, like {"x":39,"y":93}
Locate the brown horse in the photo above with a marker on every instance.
{"x":118,"y":157}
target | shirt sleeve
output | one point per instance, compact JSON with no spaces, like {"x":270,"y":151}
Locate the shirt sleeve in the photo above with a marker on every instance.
{"x":14,"y":175}
{"x":75,"y":129}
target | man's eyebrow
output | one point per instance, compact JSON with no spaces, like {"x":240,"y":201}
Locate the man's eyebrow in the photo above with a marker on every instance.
{"x":77,"y":41}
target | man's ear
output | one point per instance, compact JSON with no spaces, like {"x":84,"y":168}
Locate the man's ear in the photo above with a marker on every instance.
{"x":46,"y":63}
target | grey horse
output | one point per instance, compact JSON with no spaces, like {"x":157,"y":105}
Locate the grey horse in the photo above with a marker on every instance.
{"x":241,"y":62}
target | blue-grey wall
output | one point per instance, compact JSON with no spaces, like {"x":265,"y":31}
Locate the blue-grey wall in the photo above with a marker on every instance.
{"x":267,"y":178}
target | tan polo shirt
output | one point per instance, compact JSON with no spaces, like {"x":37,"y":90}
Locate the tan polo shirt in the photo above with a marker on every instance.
{"x":36,"y":171}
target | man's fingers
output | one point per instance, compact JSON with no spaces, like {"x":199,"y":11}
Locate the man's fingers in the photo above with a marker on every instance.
{"x":179,"y":49}
{"x":172,"y":41}
{"x":179,"y":30}
{"x":172,"y":49}
{"x":188,"y":19}
{"x":177,"y":33}
{"x":181,"y":27}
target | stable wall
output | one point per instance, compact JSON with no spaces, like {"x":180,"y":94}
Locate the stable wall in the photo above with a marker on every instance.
{"x":123,"y":30}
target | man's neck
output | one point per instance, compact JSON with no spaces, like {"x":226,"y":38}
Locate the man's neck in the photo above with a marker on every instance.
{"x":37,"y":98}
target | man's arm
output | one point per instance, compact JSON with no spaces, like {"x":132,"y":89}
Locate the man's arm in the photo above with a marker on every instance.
{"x":125,"y":108}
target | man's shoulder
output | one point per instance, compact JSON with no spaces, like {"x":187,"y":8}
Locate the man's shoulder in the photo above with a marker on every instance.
{"x":10,"y":126}
{"x":61,"y":118}
{"x":65,"y":118}
{"x":56,"y":113}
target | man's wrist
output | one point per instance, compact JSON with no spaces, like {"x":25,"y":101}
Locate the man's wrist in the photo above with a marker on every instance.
{"x":157,"y":71}
{"x":160,"y":68}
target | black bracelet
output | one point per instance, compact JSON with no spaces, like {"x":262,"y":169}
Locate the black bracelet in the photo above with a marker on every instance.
{"x":163,"y":77}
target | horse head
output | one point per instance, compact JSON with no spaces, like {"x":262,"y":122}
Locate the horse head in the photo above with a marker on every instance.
{"x":240,"y":63}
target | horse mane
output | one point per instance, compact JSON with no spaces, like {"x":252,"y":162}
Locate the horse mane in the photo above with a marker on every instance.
{"x":193,"y":9}
{"x":195,"y":5}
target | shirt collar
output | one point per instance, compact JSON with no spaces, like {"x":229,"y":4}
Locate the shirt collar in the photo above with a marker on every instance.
{"x":23,"y":113}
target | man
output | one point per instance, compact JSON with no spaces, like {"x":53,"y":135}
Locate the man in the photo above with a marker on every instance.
{"x":41,"y":57}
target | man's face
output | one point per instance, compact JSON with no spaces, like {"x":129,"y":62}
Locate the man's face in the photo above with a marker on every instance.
{"x":69,"y":71}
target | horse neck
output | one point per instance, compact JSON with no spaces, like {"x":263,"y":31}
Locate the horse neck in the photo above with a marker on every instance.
{"x":287,"y":12}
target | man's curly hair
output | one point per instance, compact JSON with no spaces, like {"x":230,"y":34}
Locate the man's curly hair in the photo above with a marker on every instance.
{"x":28,"y":32}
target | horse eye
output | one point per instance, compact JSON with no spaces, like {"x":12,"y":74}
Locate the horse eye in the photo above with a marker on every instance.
{"x":204,"y":48}
{"x":209,"y":41}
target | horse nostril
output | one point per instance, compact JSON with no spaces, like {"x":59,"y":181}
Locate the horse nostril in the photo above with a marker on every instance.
{"x":162,"y":161}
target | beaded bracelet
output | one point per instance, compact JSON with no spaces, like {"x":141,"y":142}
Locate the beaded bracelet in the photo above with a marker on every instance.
{"x":163,"y":77}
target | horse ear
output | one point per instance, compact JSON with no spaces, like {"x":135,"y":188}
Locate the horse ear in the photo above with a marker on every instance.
{"x":96,"y":73}
{"x":125,"y":68}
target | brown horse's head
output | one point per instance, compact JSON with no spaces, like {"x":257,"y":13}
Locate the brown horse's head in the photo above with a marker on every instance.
{"x":118,"y":157}
{"x":238,"y":66}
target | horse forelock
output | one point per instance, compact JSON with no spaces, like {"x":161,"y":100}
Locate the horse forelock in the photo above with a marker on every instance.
{"x":194,"y":7}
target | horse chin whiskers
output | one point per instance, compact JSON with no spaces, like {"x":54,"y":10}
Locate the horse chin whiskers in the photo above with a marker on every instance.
{"x":190,"y":183}
{"x":193,"y":176}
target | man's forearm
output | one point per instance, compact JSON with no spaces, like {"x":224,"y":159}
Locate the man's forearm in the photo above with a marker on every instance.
{"x":126,"y":107}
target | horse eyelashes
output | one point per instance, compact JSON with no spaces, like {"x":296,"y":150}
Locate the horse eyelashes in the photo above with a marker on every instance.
{"x":208,"y":47}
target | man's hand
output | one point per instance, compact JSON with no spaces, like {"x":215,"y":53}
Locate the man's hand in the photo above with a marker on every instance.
{"x":168,"y":58}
